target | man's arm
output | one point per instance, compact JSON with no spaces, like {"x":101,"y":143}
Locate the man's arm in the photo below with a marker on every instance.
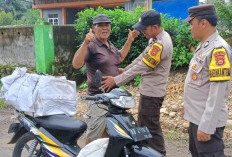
{"x":79,"y":57}
{"x":109,"y":81}
{"x":134,"y":62}
{"x":131,"y":36}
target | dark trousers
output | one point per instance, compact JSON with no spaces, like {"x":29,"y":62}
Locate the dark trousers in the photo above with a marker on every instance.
{"x":149,"y":115}
{"x":212,"y":148}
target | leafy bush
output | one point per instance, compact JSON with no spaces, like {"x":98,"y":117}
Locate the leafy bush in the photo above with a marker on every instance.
{"x":6,"y":18}
{"x":137,"y":81}
{"x":124,"y":20}
{"x":29,"y":18}
{"x":84,"y":85}
{"x":2,"y":104}
{"x":182,"y":40}
{"x":224,"y":12}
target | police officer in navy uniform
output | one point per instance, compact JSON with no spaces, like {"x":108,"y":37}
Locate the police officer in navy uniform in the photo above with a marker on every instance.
{"x":207,"y":85}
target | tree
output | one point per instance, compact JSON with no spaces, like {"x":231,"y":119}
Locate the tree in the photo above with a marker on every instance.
{"x":6,"y":18}
{"x":16,"y":7}
{"x":224,"y":12}
{"x":29,"y":18}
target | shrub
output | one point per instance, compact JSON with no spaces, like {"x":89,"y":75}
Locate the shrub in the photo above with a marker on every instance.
{"x":2,"y":103}
{"x":6,"y":18}
{"x":124,"y":20}
{"x":224,"y":12}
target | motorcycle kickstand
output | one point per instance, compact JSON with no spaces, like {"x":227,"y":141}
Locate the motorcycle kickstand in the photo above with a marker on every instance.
{"x":126,"y":152}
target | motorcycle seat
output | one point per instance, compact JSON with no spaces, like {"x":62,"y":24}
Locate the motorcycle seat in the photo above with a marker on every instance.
{"x":61,"y":122}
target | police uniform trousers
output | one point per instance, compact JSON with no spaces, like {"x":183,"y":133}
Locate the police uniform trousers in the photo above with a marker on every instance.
{"x":212,"y":148}
{"x":149,"y":115}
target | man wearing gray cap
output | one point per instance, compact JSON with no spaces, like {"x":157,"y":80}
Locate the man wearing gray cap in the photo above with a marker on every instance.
{"x":207,"y":85}
{"x":153,"y":64}
{"x":97,"y":52}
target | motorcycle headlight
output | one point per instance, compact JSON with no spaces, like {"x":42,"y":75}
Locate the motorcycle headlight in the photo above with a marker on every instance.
{"x":123,"y":102}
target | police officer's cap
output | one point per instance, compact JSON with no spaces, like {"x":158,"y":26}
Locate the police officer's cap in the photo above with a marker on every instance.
{"x":147,"y":18}
{"x":201,"y":10}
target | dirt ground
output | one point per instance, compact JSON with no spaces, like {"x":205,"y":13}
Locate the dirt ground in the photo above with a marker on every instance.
{"x":174,"y":148}
{"x":176,"y":143}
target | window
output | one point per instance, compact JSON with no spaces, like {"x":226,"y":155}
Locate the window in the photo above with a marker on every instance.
{"x":53,"y":19}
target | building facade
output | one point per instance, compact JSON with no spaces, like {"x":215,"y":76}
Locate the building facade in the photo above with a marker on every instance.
{"x":62,"y":12}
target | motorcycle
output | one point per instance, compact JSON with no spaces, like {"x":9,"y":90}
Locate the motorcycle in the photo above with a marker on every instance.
{"x":57,"y":135}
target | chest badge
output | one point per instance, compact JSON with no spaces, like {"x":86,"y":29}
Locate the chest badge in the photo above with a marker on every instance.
{"x":194,"y":67}
{"x":200,"y":55}
{"x":194,"y":77}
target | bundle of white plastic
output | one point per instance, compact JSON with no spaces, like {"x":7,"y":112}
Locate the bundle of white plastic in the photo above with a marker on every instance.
{"x":97,"y":148}
{"x":41,"y":94}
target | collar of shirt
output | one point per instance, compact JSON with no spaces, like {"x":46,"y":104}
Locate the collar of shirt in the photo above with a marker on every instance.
{"x":158,"y":37}
{"x":100,"y":43}
{"x":208,"y":41}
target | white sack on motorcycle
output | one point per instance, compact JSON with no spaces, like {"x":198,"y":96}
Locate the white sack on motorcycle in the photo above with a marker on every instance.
{"x":43,"y":95}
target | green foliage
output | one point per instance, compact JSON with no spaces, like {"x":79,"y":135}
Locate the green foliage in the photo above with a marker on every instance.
{"x":123,"y":87}
{"x":18,"y":9}
{"x":29,"y":18}
{"x":124,"y":20}
{"x":2,"y":104}
{"x":224,"y":12}
{"x":84,"y":85}
{"x":137,"y":81}
{"x":5,"y":18}
{"x":83,"y":70}
{"x":182,"y":40}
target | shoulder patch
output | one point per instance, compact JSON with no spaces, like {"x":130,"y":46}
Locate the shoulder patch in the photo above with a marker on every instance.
{"x":220,"y":66}
{"x":153,"y":56}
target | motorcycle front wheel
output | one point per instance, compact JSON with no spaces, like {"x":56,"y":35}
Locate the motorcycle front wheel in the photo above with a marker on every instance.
{"x":26,"y":146}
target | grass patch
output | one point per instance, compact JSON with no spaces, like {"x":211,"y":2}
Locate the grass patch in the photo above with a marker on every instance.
{"x":175,"y":135}
{"x":2,"y":104}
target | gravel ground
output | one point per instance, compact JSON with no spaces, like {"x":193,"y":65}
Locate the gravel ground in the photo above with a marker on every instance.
{"x":175,"y":129}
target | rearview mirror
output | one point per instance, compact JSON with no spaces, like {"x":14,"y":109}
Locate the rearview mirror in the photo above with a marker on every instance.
{"x":98,"y":78}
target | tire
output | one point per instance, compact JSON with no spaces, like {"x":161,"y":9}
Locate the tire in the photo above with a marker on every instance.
{"x":22,"y":146}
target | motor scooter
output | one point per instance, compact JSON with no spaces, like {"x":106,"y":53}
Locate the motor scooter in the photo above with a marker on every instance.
{"x":57,"y":135}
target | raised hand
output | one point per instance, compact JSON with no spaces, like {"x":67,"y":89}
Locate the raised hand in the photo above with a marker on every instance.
{"x":89,"y":36}
{"x":133,"y":34}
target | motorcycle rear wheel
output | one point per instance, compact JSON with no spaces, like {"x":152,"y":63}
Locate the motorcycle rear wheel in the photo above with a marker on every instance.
{"x":23,"y":145}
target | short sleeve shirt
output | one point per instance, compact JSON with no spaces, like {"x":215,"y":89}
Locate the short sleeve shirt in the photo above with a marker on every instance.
{"x":99,"y":56}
